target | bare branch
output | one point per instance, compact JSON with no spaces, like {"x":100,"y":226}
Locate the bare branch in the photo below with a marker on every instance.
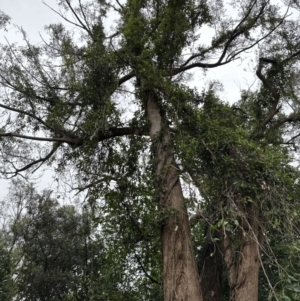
{"x":176,"y":71}
{"x":291,"y":57}
{"x":126,"y":77}
{"x":69,"y":21}
{"x":213,"y":157}
{"x":231,"y":56}
{"x":233,"y":36}
{"x":61,"y":140}
{"x":30,"y":115}
{"x":292,"y":139}
{"x":121,"y":6}
{"x":84,"y":16}
{"x":235,"y":33}
{"x":41,"y":161}
{"x":10,"y":85}
{"x":22,"y":65}
{"x":79,"y":20}
{"x":145,"y":272}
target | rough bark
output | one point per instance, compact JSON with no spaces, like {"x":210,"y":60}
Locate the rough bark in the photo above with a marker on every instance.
{"x":243,"y":263}
{"x":181,"y":278}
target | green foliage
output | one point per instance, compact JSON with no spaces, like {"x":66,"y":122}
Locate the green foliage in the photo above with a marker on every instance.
{"x":218,"y":149}
{"x":4,"y":19}
{"x":6,"y":283}
{"x":57,"y":251}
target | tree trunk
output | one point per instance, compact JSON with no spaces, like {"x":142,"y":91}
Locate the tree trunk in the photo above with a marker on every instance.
{"x":181,"y":278}
{"x":243,"y":264}
{"x":211,"y":267}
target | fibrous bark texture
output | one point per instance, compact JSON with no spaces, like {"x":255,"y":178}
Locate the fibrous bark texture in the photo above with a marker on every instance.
{"x":243,"y":263}
{"x":181,"y":278}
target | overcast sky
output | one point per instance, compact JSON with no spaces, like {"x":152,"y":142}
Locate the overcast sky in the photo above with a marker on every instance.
{"x":33,"y":15}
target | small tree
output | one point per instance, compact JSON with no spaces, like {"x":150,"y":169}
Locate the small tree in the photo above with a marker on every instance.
{"x":62,"y":257}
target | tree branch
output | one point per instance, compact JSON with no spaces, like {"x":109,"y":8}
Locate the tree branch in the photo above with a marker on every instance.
{"x":30,"y":115}
{"x":176,"y":71}
{"x":291,"y":57}
{"x":69,"y":21}
{"x":41,"y":160}
{"x":235,"y":33}
{"x":84,"y":16}
{"x":289,"y":119}
{"x":121,"y":6}
{"x":79,"y":20}
{"x":126,"y":77}
{"x":267,"y":84}
{"x":67,"y":140}
{"x":100,"y":136}
{"x":145,"y":272}
{"x":194,"y":56}
{"x":118,"y":132}
{"x":232,"y":56}
{"x":90,"y":185}
{"x":291,"y":139}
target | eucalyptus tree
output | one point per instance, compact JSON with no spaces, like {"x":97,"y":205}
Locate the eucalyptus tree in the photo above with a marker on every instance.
{"x":100,"y":101}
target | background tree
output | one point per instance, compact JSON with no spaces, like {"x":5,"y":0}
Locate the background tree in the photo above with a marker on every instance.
{"x":6,"y":283}
{"x":61,"y":255}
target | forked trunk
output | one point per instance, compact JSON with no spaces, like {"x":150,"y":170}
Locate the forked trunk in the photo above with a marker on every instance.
{"x":181,"y":279}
